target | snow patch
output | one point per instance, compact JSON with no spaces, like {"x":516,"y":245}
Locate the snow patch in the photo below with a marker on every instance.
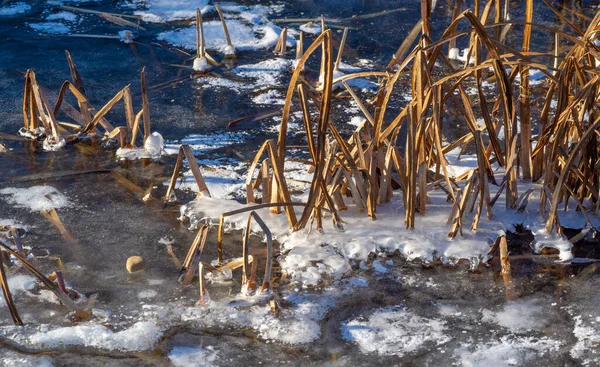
{"x":36,"y":198}
{"x":395,"y":331}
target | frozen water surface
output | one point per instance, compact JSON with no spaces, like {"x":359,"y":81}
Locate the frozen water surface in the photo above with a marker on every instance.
{"x":340,"y":299}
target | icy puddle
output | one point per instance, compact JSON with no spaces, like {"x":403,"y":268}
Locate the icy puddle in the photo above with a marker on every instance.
{"x":372,"y":294}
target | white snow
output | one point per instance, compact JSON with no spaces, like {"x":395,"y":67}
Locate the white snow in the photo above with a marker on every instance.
{"x":139,"y":337}
{"x":158,"y":11}
{"x":240,"y":33}
{"x":228,"y":51}
{"x":126,"y":36}
{"x":18,"y":284}
{"x":311,"y":28}
{"x":14,"y":9}
{"x":200,"y":64}
{"x":357,"y":120}
{"x":587,"y":347}
{"x":154,"y":144}
{"x":506,"y":351}
{"x":395,"y":331}
{"x":35,"y":198}
{"x":51,"y":27}
{"x":271,"y":97}
{"x":63,"y":15}
{"x":518,"y":316}
{"x":455,"y":54}
{"x":266,"y":73}
{"x":50,"y":144}
{"x":9,"y":358}
{"x":202,"y":143}
{"x":223,"y":181}
{"x":153,"y":147}
{"x":308,"y":258}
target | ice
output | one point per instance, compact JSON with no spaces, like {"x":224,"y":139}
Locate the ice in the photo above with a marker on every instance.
{"x":202,"y":143}
{"x":154,"y":144}
{"x":311,"y":28}
{"x":63,"y":15}
{"x":329,"y":254}
{"x":379,"y":268}
{"x":12,"y":223}
{"x":272,"y":97}
{"x":52,"y":145}
{"x":200,"y":64}
{"x":214,"y":36}
{"x":148,"y":293}
{"x":51,"y":27}
{"x":395,"y":331}
{"x":126,"y":36}
{"x":153,"y":148}
{"x":158,"y":11}
{"x":193,"y":356}
{"x":9,"y":358}
{"x":588,"y":339}
{"x":139,"y":337}
{"x":35,"y":198}
{"x":266,"y":73}
{"x":14,"y":9}
{"x":454,"y":54}
{"x":506,"y":351}
{"x":18,"y":284}
{"x":288,"y":328}
{"x":356,"y":120}
{"x":228,"y":50}
{"x":517,"y":316}
{"x":245,"y":37}
{"x":224,"y":181}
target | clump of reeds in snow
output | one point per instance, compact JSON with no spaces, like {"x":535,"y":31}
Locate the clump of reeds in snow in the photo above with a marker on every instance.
{"x":57,"y":133}
{"x":367,"y":164}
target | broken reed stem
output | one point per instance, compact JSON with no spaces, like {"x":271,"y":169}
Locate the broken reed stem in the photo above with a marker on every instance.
{"x":249,"y":283}
{"x":227,"y":37}
{"x":243,"y":210}
{"x":200,"y":49}
{"x":300,"y":46}
{"x":186,"y":152}
{"x":8,"y":296}
{"x":188,"y":268}
{"x":145,"y":105}
{"x":524,"y":99}
{"x":281,"y":46}
{"x":341,"y":49}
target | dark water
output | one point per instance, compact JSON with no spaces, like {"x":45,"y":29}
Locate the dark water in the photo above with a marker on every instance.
{"x":111,"y":222}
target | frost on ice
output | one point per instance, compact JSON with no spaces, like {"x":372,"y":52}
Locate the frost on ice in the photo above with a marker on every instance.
{"x":35,"y":198}
{"x":395,"y":331}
